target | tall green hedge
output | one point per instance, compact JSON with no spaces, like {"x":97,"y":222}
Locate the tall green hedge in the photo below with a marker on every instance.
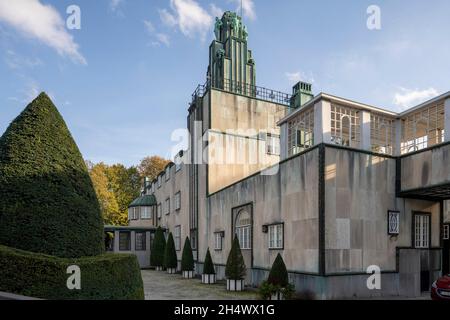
{"x":235,"y":268}
{"x":187,"y":259}
{"x":170,"y":254}
{"x":208,"y":266}
{"x":47,"y":204}
{"x":278,"y":275}
{"x":104,"y":277}
{"x":158,"y":248}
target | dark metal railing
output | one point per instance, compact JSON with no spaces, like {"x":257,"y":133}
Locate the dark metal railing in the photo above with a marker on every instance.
{"x":244,"y":89}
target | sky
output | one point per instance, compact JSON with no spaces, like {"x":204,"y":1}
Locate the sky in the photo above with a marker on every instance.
{"x":123,"y":79}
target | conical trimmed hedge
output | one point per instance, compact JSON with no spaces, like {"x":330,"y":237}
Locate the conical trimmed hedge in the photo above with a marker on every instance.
{"x":278,"y":275}
{"x":187,"y":259}
{"x":235,"y":268}
{"x":158,"y":248}
{"x":170,"y":254}
{"x":208,"y":266}
{"x":47,"y":204}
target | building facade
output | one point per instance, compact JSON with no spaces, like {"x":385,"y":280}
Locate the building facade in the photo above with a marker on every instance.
{"x":337,"y":187}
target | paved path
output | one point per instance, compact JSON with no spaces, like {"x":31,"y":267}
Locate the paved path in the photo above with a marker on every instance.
{"x":159,"y":285}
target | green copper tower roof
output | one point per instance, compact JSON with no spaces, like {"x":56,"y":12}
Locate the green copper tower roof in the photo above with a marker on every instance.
{"x":231,"y":65}
{"x":144,"y":201}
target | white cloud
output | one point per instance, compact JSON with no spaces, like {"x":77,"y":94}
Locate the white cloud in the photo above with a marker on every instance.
{"x":42,"y":22}
{"x":407,"y":98}
{"x":294,"y":77}
{"x":248,"y":8}
{"x":188,"y":16}
{"x":161,"y":38}
{"x":115,"y":4}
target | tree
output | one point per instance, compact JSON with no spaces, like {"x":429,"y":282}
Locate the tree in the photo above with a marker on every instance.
{"x":116,"y":187}
{"x":278,"y":275}
{"x":48,"y":203}
{"x":187,"y":259}
{"x":158,"y":249}
{"x":106,"y":197}
{"x":235,"y":268}
{"x":170,"y":254}
{"x":208,"y":266}
{"x":150,"y":167}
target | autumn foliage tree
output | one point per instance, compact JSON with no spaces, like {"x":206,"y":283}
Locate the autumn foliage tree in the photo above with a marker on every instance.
{"x":150,"y":167}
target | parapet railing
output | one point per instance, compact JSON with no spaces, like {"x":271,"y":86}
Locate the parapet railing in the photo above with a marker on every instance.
{"x":244,"y":89}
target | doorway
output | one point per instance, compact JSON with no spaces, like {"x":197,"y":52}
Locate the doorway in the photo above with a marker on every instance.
{"x":421,"y":238}
{"x":446,"y":249}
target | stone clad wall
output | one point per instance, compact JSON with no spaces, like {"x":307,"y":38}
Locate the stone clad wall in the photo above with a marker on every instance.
{"x":289,"y":196}
{"x":424,"y":169}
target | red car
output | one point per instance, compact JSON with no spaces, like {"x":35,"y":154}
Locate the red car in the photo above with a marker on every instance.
{"x":440,"y":290}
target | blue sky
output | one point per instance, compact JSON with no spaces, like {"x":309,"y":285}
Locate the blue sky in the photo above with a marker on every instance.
{"x":124,"y":80}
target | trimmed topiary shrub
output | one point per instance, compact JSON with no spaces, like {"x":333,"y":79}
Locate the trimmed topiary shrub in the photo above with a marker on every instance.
{"x":278,"y":275}
{"x":158,"y":248}
{"x":187,"y":259}
{"x":47,"y":204}
{"x":208,"y":266}
{"x":277,"y":286}
{"x":104,"y":277}
{"x":170,"y":254}
{"x":235,"y":268}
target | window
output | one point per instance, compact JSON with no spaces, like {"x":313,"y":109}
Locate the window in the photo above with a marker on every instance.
{"x":194,"y":239}
{"x":167,"y":206}
{"x":382,"y":134}
{"x":421,"y":230}
{"x":178,"y":163}
{"x":159,"y":181}
{"x":243,"y":229}
{"x":276,"y":236}
{"x":345,"y":126}
{"x":218,"y":237}
{"x":393,"y":223}
{"x":133,"y":213}
{"x":178,"y":200}
{"x":446,"y":232}
{"x":141,"y":240}
{"x":159,"y":211}
{"x":177,"y":238}
{"x":124,"y":241}
{"x":168,"y":174}
{"x":273,"y":144}
{"x":301,"y":132}
{"x":146,"y":212}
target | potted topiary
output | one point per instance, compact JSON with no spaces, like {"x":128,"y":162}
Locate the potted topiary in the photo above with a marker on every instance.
{"x":235,"y":269}
{"x":170,"y":256}
{"x":277,"y":286}
{"x":157,"y":250}
{"x":209,"y":273}
{"x":187,"y":260}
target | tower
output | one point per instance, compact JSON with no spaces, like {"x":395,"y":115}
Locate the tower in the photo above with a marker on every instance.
{"x":231,"y":65}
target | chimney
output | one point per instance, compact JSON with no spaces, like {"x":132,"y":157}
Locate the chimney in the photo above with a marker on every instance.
{"x":301,"y":94}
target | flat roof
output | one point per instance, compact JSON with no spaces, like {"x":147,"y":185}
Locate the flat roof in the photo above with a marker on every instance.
{"x":362,"y":106}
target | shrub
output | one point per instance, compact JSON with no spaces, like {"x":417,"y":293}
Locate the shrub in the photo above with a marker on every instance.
{"x":235,"y":268}
{"x":208,"y":266}
{"x":158,"y":248}
{"x":187,"y":259}
{"x":277,"y":282}
{"x":278,"y":275}
{"x":170,"y":254}
{"x":48,"y":204}
{"x":104,"y":277}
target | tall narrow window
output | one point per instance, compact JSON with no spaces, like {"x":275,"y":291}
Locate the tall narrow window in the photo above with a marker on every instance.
{"x":167,"y":206}
{"x":276,"y":236}
{"x":177,"y":238}
{"x":124,"y":241}
{"x":422,"y":231}
{"x":178,"y":200}
{"x":141,"y":240}
{"x":244,"y":229}
{"x":273,"y":144}
{"x":218,"y":237}
{"x":159,"y":211}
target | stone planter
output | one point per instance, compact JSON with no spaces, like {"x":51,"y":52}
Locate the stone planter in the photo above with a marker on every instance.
{"x":188,"y":274}
{"x":277,"y":296}
{"x":171,"y":270}
{"x":235,"y":285}
{"x":208,"y":278}
{"x":159,"y":268}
